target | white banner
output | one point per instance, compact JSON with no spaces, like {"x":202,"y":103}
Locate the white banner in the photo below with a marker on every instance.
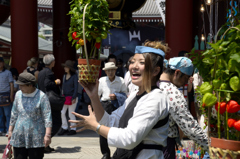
{"x":161,"y":4}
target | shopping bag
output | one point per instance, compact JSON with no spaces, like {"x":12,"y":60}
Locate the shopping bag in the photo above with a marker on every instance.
{"x":7,"y":152}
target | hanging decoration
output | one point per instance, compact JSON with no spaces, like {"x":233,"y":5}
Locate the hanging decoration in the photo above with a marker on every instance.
{"x":161,"y":4}
{"x":230,"y":13}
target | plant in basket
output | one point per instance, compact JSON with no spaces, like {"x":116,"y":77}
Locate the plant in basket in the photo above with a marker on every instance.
{"x":88,"y":27}
{"x":220,"y":93}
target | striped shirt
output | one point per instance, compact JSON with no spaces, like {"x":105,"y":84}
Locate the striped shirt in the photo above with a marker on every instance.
{"x":5,"y":78}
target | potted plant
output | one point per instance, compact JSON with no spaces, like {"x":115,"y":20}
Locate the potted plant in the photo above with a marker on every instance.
{"x":88,"y":27}
{"x":220,"y":93}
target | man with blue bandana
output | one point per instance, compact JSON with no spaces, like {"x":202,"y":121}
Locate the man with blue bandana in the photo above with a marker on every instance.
{"x":176,"y":75}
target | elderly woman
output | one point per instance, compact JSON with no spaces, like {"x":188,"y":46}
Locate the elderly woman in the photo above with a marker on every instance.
{"x":31,"y":120}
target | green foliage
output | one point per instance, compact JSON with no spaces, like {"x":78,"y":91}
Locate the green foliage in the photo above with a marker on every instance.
{"x":222,"y":62}
{"x":219,"y":66}
{"x":96,"y":20}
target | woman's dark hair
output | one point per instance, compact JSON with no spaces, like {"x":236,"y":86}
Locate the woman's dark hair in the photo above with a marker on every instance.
{"x":171,"y":71}
{"x":151,"y":62}
{"x":111,"y":56}
{"x":182,"y":53}
{"x":14,"y":72}
{"x":128,"y":63}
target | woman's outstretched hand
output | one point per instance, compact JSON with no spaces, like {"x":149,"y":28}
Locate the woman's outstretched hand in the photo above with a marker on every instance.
{"x":87,"y":122}
{"x":90,"y":88}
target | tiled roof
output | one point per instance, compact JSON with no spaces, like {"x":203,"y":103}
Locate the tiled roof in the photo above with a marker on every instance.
{"x":148,"y":10}
{"x":45,"y":2}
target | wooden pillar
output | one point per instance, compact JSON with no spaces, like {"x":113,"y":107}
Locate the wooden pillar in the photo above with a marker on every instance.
{"x":62,"y":48}
{"x":24,"y":32}
{"x":179,"y":26}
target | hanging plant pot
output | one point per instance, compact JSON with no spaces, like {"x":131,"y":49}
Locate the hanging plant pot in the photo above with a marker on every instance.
{"x":88,"y":33}
{"x":88,"y":73}
{"x":225,"y":149}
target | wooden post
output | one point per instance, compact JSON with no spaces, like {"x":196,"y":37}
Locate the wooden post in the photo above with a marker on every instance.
{"x":24,"y":32}
{"x":62,"y":48}
{"x":179,"y":19}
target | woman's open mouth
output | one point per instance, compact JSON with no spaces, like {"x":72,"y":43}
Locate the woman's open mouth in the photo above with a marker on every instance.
{"x":135,"y":76}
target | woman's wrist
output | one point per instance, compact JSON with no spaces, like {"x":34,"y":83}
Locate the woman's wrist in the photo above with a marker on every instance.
{"x":95,"y":126}
{"x":94,"y":97}
{"x":48,"y":135}
{"x":98,"y":127}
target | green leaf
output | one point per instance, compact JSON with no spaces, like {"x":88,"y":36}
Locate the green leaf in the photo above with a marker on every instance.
{"x":236,"y":57}
{"x":208,"y":61}
{"x":207,"y":52}
{"x":215,"y":45}
{"x":105,"y":22}
{"x":96,"y":13}
{"x":227,"y":72}
{"x":224,"y":43}
{"x":90,"y":26}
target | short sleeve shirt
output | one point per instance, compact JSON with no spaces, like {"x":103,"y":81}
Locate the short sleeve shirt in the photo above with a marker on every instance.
{"x":5,"y":79}
{"x":106,"y":87}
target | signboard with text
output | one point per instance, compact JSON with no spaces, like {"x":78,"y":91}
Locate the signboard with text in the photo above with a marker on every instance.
{"x":161,"y":4}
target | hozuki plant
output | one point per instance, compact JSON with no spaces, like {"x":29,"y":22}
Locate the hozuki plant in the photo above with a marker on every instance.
{"x":219,"y":67}
{"x":95,"y":26}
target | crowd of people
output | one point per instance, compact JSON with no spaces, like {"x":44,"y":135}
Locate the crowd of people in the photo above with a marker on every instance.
{"x":141,"y":109}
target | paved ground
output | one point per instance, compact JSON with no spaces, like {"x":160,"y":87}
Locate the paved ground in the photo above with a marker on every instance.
{"x":84,"y":145}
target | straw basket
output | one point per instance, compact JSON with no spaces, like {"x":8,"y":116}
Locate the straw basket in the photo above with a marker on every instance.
{"x":87,"y":75}
{"x":225,"y":149}
{"x":88,"y":68}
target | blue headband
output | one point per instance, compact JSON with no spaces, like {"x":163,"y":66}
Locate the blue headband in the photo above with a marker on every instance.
{"x":145,"y":49}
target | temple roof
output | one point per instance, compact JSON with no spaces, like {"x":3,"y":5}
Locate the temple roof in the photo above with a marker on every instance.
{"x":148,"y":10}
{"x":47,"y":3}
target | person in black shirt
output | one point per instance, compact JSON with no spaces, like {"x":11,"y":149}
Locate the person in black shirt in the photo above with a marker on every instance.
{"x":47,"y":82}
